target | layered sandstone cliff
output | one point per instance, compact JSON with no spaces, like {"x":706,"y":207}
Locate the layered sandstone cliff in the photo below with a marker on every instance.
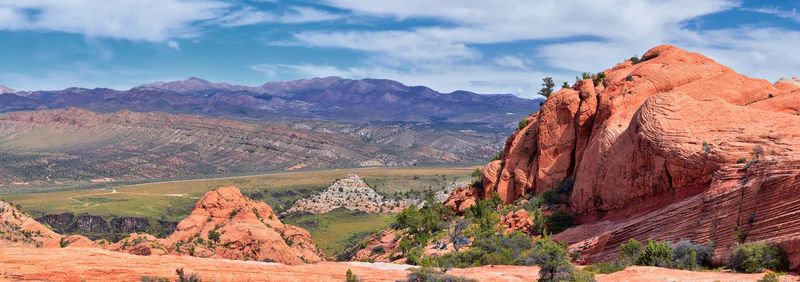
{"x":675,"y":146}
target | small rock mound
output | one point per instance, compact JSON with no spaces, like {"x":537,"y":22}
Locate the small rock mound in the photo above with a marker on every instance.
{"x":350,"y":193}
{"x":226,"y":224}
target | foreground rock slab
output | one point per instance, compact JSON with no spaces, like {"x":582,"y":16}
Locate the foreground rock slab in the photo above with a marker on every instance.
{"x":92,"y":264}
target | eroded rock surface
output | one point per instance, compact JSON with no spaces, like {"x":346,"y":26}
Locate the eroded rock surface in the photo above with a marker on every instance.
{"x":225,"y":224}
{"x":675,"y":146}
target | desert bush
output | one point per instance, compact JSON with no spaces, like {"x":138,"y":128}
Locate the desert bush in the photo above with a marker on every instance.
{"x":350,"y":277}
{"x":757,"y":256}
{"x":629,"y":77}
{"x":427,"y":274}
{"x":377,"y":250}
{"x":477,"y":173}
{"x":630,"y":251}
{"x":605,"y":267}
{"x":552,"y":197}
{"x":656,"y":254}
{"x":692,"y":256}
{"x":213,"y":235}
{"x":186,"y":277}
{"x":559,"y":221}
{"x":635,"y":59}
{"x":522,"y":123}
{"x":769,"y":277}
{"x":153,"y":279}
{"x":553,"y":260}
{"x":352,"y":244}
{"x":741,"y":160}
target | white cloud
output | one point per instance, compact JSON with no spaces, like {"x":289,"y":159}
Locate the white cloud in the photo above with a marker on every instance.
{"x":510,"y":61}
{"x":405,"y":45}
{"x":147,"y":20}
{"x":174,"y":45}
{"x":589,"y":36}
{"x":775,"y":11}
{"x":292,"y":15}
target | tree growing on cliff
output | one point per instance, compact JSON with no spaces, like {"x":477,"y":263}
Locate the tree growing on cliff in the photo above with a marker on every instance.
{"x":547,"y":87}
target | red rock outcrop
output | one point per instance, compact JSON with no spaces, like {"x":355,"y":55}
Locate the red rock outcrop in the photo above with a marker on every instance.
{"x":462,"y":198}
{"x":519,"y":221}
{"x":244,"y":229}
{"x":662,"y":135}
{"x":17,"y":228}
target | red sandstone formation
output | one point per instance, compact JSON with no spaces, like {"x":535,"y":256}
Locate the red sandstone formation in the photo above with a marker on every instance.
{"x":463,"y":198}
{"x":519,"y":221}
{"x":248,"y":230}
{"x":653,"y":152}
{"x":92,"y":264}
{"x":17,"y":228}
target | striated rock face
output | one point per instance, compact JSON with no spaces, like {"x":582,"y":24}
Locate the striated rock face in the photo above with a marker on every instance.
{"x":248,"y":230}
{"x":350,"y":193}
{"x":658,"y":136}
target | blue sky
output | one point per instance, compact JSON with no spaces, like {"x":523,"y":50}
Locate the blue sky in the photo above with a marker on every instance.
{"x":478,"y":45}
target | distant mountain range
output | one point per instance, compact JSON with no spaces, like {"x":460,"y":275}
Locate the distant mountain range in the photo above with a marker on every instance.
{"x":329,"y":98}
{"x":194,"y":128}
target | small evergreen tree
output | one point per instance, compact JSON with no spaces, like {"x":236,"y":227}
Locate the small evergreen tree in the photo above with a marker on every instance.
{"x":547,"y":87}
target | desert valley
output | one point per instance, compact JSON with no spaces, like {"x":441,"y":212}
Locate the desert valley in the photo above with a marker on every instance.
{"x":712,"y":184}
{"x":445,"y":141}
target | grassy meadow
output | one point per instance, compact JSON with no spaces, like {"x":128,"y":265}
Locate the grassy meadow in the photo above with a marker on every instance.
{"x":171,"y":201}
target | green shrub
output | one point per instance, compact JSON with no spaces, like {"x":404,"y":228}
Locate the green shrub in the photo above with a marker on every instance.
{"x":741,"y":160}
{"x":428,"y":274}
{"x":656,"y":254}
{"x":522,"y":123}
{"x":630,"y":251}
{"x":565,"y":85}
{"x":350,"y":277}
{"x":605,"y":267}
{"x":635,"y":59}
{"x":756,"y":256}
{"x":579,"y":275}
{"x":769,"y":277}
{"x":559,"y":221}
{"x":352,"y":244}
{"x":552,"y":258}
{"x":629,"y":78}
{"x":477,"y":173}
{"x":377,"y":250}
{"x":186,"y":277}
{"x":691,"y":256}
{"x":552,"y":198}
{"x":213,"y":235}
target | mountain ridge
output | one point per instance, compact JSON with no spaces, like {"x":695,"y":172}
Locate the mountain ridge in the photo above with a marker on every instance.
{"x":328,"y":98}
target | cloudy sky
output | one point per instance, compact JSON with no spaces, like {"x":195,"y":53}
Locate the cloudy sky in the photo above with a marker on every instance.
{"x":487,"y":46}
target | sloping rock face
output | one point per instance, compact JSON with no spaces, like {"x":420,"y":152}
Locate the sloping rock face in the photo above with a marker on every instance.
{"x":674,"y":131}
{"x":17,"y":228}
{"x":247,"y":230}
